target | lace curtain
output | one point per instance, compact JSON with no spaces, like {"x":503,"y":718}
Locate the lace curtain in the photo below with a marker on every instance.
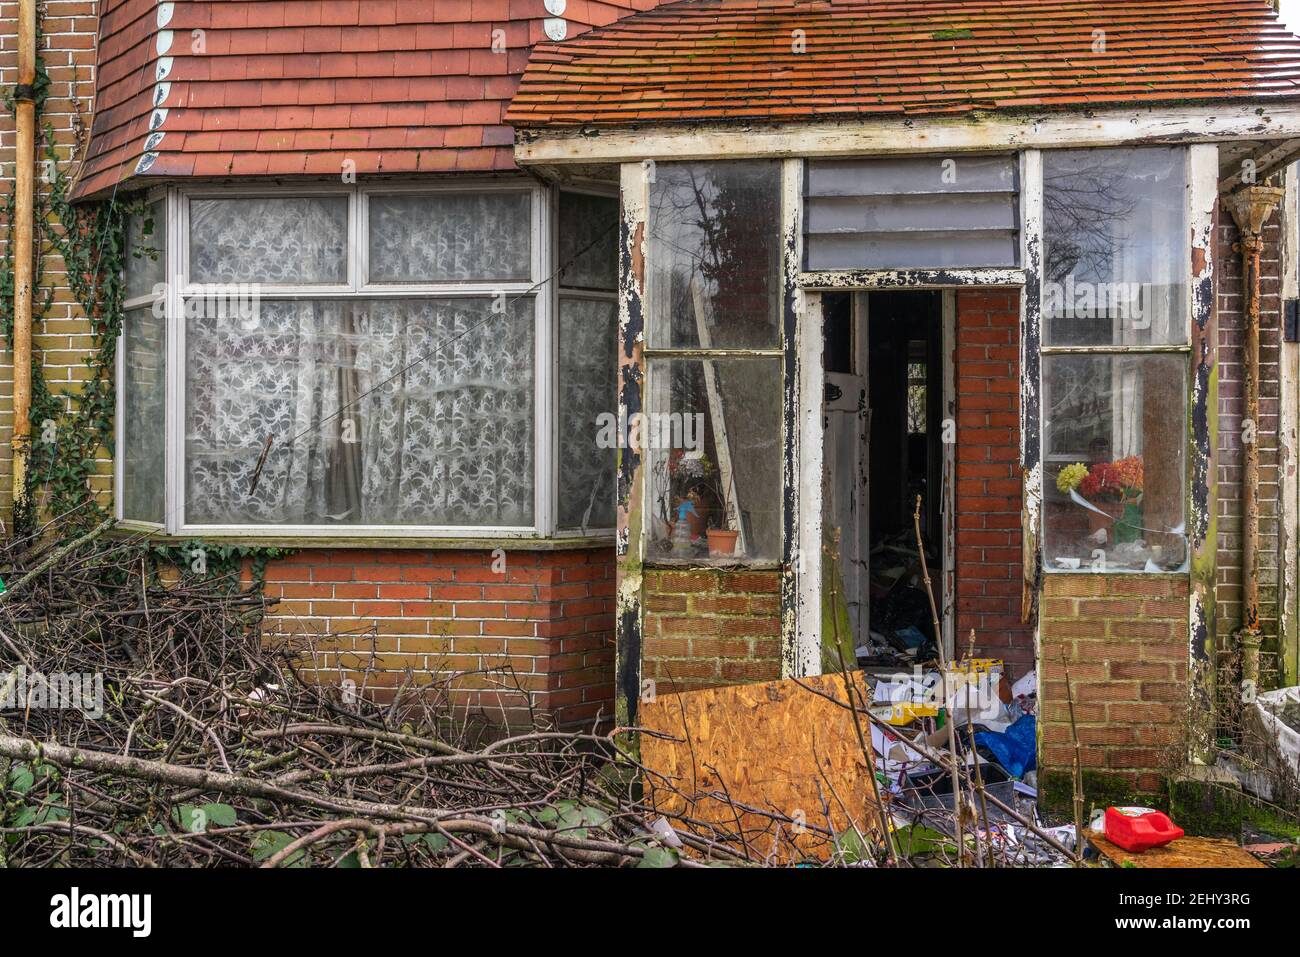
{"x":451,"y":237}
{"x":588,"y":374}
{"x":289,"y":241}
{"x":144,"y":398}
{"x":448,"y":441}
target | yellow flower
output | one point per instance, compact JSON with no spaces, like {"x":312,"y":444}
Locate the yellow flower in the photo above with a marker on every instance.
{"x":1068,"y":479}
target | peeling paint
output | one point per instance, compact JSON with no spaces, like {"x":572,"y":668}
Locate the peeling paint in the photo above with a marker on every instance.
{"x":629,"y":542}
{"x":835,"y":279}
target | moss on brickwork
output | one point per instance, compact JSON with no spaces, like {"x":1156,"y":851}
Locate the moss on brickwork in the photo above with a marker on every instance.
{"x":1206,"y":804}
{"x":1056,"y":792}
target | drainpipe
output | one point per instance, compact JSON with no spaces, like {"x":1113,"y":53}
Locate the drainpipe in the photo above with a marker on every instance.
{"x":24,"y":242}
{"x":1251,"y":208}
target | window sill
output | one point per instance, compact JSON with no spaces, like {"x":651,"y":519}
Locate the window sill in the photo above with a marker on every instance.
{"x":302,"y":542}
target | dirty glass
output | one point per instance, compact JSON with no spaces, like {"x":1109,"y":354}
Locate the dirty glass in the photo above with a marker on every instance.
{"x":1114,"y":482}
{"x":714,"y":438}
{"x":296,"y":240}
{"x":1116,"y":247}
{"x":588,"y":370}
{"x":912,"y":212}
{"x":144,"y":400}
{"x":714,"y":268}
{"x":146,"y":261}
{"x":588,"y":248}
{"x":450,"y":237}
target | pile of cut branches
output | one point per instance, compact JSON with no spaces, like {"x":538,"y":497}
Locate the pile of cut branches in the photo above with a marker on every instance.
{"x":144,"y":722}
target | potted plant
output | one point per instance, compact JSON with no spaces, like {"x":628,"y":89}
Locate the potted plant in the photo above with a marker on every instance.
{"x":1114,"y":488}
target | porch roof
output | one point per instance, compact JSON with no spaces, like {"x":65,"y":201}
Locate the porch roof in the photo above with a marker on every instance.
{"x":721,"y":61}
{"x":277,"y":87}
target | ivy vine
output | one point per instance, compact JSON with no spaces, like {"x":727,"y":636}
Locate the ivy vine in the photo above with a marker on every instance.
{"x":70,"y":433}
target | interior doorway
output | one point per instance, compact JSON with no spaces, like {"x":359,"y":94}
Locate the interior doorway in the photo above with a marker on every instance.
{"x":886,"y":389}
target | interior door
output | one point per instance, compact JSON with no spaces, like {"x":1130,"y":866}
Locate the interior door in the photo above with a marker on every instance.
{"x":848,"y":425}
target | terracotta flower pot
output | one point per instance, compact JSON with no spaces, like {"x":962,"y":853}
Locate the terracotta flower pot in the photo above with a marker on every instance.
{"x":722,"y":542}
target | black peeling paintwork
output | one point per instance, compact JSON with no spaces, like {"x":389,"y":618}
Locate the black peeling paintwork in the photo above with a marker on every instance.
{"x":629,"y":661}
{"x":790,"y":441}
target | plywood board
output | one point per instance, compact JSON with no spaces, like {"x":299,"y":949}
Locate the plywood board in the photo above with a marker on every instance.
{"x":1184,"y":852}
{"x":721,"y":757}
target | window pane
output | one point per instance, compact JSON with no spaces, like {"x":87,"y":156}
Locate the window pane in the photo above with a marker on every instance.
{"x":588,"y":241}
{"x":451,"y":237}
{"x":144,"y":410}
{"x":714,"y":277}
{"x":912,"y":212}
{"x":276,"y":241}
{"x":714,"y":441}
{"x":588,"y":373}
{"x":146,"y":261}
{"x":436,"y":427}
{"x":1116,"y":245}
{"x":1114,"y":474}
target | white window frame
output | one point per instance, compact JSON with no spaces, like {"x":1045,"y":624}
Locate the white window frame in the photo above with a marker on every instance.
{"x":1184,"y":349}
{"x":540,"y":285}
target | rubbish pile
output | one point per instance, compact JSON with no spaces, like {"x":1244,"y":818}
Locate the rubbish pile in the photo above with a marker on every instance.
{"x":921,"y":723}
{"x":901,"y":631}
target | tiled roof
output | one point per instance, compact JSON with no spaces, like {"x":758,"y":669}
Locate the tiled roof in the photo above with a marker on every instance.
{"x":789,"y":60}
{"x":263,"y":87}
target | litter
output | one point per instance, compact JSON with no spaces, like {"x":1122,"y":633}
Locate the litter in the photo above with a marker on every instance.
{"x":1139,"y":829}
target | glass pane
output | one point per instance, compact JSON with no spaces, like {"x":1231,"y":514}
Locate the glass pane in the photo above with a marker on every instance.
{"x":588,"y":373}
{"x":714,"y":278}
{"x":1116,"y":246}
{"x":290,"y":241}
{"x":144,"y":411}
{"x":1115,"y":480}
{"x":713,"y":437}
{"x":451,"y":237}
{"x":436,"y":426}
{"x":588,"y":241}
{"x":912,"y":212}
{"x":146,"y":261}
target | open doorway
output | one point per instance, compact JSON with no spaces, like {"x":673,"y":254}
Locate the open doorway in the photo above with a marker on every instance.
{"x":883,"y":415}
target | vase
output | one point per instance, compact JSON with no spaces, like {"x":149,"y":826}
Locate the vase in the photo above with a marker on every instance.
{"x":722,"y":542}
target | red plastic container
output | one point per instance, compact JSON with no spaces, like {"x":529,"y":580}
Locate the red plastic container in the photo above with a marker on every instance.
{"x":1139,"y":829}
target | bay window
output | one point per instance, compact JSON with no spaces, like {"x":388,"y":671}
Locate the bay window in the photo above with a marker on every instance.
{"x":1116,"y":358}
{"x":381,"y":361}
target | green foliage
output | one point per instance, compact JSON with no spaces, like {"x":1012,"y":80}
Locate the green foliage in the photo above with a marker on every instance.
{"x":68,"y":432}
{"x":267,"y":843}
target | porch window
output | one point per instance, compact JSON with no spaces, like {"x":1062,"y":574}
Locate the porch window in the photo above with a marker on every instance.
{"x":407,"y":352}
{"x":1115,"y":359}
{"x":713,"y":429}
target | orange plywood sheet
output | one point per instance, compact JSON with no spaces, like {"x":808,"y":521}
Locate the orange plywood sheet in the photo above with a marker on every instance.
{"x":777,"y":747}
{"x":1184,"y":852}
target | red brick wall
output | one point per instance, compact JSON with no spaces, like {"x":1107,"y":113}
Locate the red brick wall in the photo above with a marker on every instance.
{"x":708,"y":627}
{"x":1231,"y":413}
{"x":1124,"y":638}
{"x":541,"y":625}
{"x":988,"y":492}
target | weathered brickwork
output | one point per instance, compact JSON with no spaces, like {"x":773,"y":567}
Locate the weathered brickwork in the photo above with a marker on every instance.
{"x":1231,"y":414}
{"x":709,"y":627}
{"x":67,"y":51}
{"x":1124,"y":640}
{"x":988,"y":492}
{"x":529,"y":633}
